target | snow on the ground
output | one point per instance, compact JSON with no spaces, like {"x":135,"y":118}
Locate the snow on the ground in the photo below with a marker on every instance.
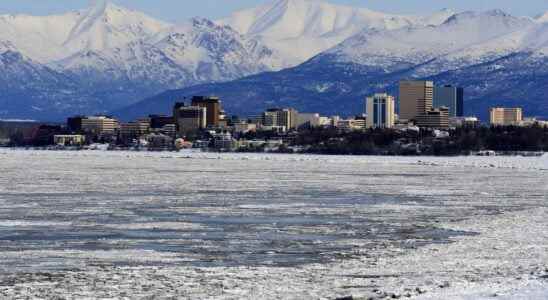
{"x":416,"y":227}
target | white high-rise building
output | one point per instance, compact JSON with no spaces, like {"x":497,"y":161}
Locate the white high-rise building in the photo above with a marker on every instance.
{"x":380,"y":111}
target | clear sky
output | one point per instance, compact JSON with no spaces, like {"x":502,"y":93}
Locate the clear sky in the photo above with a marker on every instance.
{"x":178,"y":10}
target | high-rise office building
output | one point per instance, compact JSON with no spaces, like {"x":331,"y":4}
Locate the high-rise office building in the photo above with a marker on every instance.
{"x":451,"y":97}
{"x":416,"y":98}
{"x":500,"y":116}
{"x":212,"y":106}
{"x":190,"y":118}
{"x":380,"y":111}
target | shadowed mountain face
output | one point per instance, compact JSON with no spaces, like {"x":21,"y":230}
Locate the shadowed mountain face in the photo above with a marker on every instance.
{"x":107,"y":57}
{"x":499,"y":59}
{"x":340,"y":88}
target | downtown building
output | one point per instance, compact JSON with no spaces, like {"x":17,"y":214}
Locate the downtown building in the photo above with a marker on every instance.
{"x":133,"y":131}
{"x":100,"y":125}
{"x":417,"y":104}
{"x":380,"y":110}
{"x":451,"y":97}
{"x":312,"y":120}
{"x":285,"y":119}
{"x":434,"y":118}
{"x":189,"y":119}
{"x":354,"y":124}
{"x":212,"y":106}
{"x":416,"y":98}
{"x":501,"y":116}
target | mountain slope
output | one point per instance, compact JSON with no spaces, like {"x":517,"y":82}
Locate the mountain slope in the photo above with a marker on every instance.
{"x":300,"y":29}
{"x":120,"y":56}
{"x":107,"y":26}
{"x":514,"y":80}
{"x":30,"y":90}
{"x":49,"y":38}
{"x":458,"y":38}
{"x":106,"y":57}
{"x":504,"y":63}
{"x":180,"y":56}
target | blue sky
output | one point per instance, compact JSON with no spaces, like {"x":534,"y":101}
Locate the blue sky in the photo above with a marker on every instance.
{"x":177,"y":10}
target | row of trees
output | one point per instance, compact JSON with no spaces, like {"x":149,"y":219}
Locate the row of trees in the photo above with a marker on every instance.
{"x":426,"y":142}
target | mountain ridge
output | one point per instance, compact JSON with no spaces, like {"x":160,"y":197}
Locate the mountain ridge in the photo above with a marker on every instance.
{"x":107,"y":57}
{"x":301,"y":29}
{"x":509,"y":52}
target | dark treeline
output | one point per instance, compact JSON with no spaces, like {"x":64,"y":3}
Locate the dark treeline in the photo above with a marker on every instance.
{"x":425,"y":142}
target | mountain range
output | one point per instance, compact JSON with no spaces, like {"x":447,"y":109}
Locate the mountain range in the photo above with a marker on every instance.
{"x":308,"y":54}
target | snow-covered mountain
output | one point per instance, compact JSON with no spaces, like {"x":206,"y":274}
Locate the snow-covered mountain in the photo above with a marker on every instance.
{"x":178,"y":56}
{"x":300,"y":29}
{"x":106,"y":57}
{"x":99,"y":27}
{"x":498,"y":58}
{"x":463,"y":39}
{"x":119,"y":55}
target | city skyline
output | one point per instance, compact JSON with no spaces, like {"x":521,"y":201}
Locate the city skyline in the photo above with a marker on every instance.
{"x":176,"y":11}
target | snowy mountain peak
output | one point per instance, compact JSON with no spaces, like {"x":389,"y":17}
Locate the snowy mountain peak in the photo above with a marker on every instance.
{"x":105,"y":25}
{"x":487,"y":18}
{"x":300,"y":29}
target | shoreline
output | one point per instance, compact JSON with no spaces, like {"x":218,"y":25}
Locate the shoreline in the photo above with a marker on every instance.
{"x":486,"y":153}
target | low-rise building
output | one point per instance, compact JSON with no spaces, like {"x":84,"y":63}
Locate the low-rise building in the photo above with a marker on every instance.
{"x":100,"y":125}
{"x":224,"y":142}
{"x":69,"y":140}
{"x":159,"y":142}
{"x":277,"y":129}
{"x":529,"y":122}
{"x":434,"y":118}
{"x":308,"y":120}
{"x":244,"y":127}
{"x":351,"y":124}
{"x":464,"y":122}
{"x":134,"y":130}
{"x":281,"y":117}
{"x":168,"y":129}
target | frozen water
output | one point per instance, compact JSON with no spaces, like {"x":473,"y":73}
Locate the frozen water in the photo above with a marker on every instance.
{"x":225,"y":226}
